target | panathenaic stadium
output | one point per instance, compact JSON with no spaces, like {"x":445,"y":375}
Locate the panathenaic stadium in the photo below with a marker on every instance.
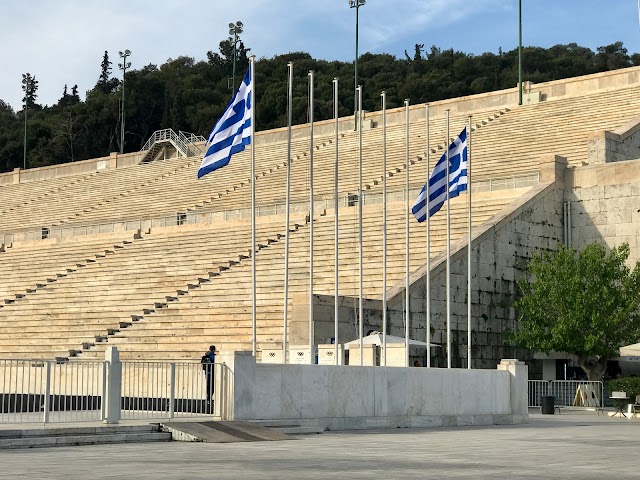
{"x":134,"y":251}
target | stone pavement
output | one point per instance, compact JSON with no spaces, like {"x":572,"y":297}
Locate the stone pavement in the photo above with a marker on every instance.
{"x":581,"y":446}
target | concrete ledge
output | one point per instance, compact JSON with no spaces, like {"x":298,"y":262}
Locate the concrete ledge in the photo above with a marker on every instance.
{"x":426,"y":421}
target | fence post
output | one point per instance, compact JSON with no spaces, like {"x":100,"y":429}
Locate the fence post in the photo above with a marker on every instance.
{"x":220,"y":394}
{"x":172,"y":391}
{"x":113,"y":391}
{"x":47,"y":392}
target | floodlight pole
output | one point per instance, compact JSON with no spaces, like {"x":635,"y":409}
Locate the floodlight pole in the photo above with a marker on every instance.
{"x":26,"y":107}
{"x":356,"y":4}
{"x":519,"y":52}
{"x":123,"y":66}
{"x":235,"y":30}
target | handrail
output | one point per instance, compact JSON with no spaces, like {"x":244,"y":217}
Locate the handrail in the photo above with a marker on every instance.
{"x":179,"y":140}
{"x":191,"y":137}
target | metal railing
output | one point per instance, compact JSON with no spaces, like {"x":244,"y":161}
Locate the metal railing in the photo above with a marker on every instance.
{"x":191,"y":137}
{"x":206,"y":216}
{"x":48,"y":391}
{"x":566,"y":393}
{"x":180,"y":141}
{"x":152,"y":390}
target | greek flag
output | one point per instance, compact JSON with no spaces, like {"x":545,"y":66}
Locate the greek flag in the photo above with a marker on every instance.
{"x":438,"y":179}
{"x":232,"y":132}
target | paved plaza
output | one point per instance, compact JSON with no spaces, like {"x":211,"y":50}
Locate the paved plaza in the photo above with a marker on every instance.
{"x":582,"y":446}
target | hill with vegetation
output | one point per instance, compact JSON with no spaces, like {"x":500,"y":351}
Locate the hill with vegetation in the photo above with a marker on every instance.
{"x":187,"y":95}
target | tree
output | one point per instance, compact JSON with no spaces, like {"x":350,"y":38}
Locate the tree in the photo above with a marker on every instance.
{"x":30,"y":89}
{"x":190,"y":95}
{"x":105,"y":83}
{"x":583,"y":303}
{"x":64,"y":131}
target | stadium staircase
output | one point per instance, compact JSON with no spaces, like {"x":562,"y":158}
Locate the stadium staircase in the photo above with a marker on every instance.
{"x":83,"y":310}
{"x":166,"y":292}
{"x":182,"y":142}
{"x":220,"y":307}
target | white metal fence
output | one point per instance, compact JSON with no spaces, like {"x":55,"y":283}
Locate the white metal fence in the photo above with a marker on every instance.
{"x":37,"y":391}
{"x":566,"y":393}
{"x":167,"y":390}
{"x":47,"y":391}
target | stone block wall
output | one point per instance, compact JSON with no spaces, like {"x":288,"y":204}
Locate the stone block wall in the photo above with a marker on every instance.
{"x":499,"y":254}
{"x":605,"y":205}
{"x":619,"y":145}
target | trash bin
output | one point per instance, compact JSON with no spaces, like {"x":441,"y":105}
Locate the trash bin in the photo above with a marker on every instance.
{"x":548,"y":405}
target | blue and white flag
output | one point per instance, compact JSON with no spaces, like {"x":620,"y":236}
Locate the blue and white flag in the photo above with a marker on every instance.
{"x":438,"y":179}
{"x":232,"y":132}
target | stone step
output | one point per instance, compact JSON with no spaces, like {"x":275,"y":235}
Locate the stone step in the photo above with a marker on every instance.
{"x":298,"y":430}
{"x":290,"y":427}
{"x":62,"y":436}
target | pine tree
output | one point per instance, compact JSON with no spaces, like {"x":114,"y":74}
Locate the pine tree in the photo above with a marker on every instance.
{"x":106,"y":84}
{"x":30,"y":89}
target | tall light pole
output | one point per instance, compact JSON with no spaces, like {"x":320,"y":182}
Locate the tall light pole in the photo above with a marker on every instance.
{"x":235,"y":30}
{"x":26,"y":108}
{"x":519,"y":52}
{"x":28,"y":85}
{"x":356,"y":4}
{"x":123,"y":66}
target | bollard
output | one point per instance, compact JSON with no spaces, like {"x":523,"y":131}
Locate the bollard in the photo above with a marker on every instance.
{"x":111,"y":396}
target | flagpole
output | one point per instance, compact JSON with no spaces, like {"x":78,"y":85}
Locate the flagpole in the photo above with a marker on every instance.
{"x":360,"y":303}
{"x":448,"y":285}
{"x":335,"y":213}
{"x":428,"y":326}
{"x":384,"y":226}
{"x":254,"y":322}
{"x":311,"y":339}
{"x":469,"y":246}
{"x":408,"y":212}
{"x":286,"y":242}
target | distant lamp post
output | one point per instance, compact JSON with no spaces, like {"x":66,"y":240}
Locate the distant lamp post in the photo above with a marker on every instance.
{"x":123,"y":66}
{"x":235,"y":29}
{"x":520,"y":52}
{"x":356,"y":4}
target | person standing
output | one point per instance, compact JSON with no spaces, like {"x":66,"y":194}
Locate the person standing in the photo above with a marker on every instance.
{"x":208,"y":360}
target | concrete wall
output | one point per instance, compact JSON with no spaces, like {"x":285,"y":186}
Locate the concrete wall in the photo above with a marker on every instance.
{"x":605,"y":205}
{"x":499,"y":253}
{"x":619,"y":145}
{"x":83,"y":167}
{"x":344,"y":397}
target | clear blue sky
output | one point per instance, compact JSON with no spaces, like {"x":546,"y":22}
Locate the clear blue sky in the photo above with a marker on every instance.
{"x":62,"y":41}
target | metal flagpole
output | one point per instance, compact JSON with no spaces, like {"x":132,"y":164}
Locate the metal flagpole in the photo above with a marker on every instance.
{"x":361,"y":307}
{"x":408,"y":212}
{"x":448,"y":285}
{"x":428,"y":326}
{"x":254,"y":322}
{"x":335,"y":213}
{"x":469,"y":247}
{"x":384,"y":226}
{"x":311,"y":339}
{"x":286,"y":242}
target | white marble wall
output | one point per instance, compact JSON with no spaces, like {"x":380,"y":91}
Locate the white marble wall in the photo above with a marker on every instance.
{"x":353,"y":397}
{"x":316,"y":391}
